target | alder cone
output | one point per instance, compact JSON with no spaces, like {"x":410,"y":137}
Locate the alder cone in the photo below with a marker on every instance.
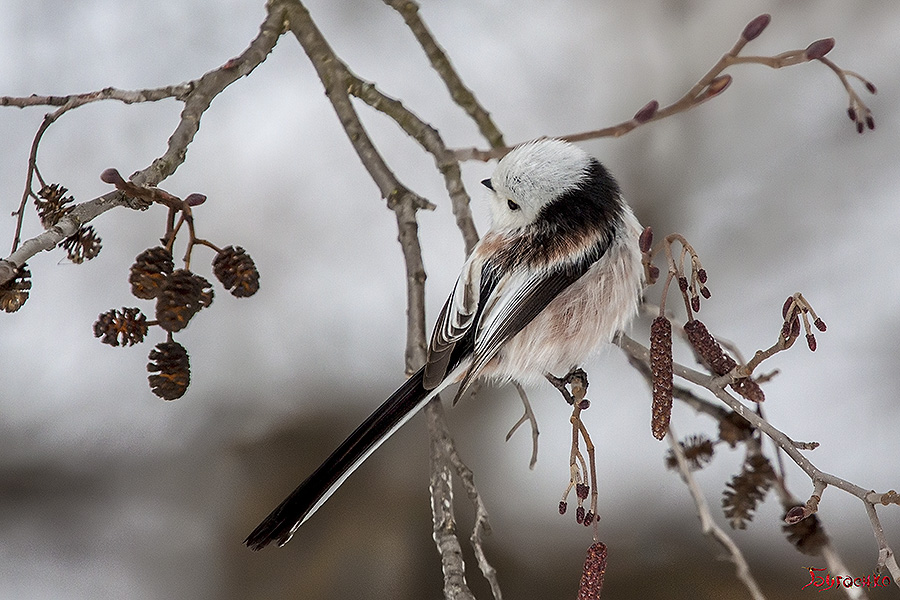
{"x":150,"y":271}
{"x":14,"y":292}
{"x":182,"y":296}
{"x":234,"y":268}
{"x":124,"y":327}
{"x":171,"y":370}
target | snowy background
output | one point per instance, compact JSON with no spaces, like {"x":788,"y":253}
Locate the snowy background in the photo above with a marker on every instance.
{"x":107,"y":491}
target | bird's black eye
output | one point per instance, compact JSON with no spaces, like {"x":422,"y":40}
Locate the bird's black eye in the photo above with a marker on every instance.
{"x":487,"y":183}
{"x":512,"y":205}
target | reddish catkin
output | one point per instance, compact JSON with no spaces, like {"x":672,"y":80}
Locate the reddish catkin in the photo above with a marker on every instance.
{"x":718,"y":362}
{"x":661,"y":371}
{"x":593,"y":572}
{"x":708,"y":348}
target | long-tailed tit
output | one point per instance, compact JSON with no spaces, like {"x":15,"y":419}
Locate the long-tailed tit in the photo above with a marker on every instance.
{"x":556,"y":276}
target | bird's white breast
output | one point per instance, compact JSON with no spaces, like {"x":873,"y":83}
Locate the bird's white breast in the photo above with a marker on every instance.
{"x":581,"y":319}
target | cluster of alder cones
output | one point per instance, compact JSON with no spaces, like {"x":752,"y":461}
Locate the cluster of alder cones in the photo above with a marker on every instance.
{"x":51,"y":204}
{"x":180,"y":294}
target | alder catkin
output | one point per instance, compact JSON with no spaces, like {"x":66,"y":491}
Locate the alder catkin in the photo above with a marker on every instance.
{"x":715,"y":359}
{"x":593,"y":572}
{"x":661,"y":372}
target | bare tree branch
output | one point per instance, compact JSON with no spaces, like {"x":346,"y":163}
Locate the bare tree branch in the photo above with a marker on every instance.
{"x":430,"y":140}
{"x":461,"y":94}
{"x":337,"y":79}
{"x":196,"y":95}
{"x":819,"y":478}
{"x":339,"y":83}
{"x":441,"y":488}
{"x":714,"y":83}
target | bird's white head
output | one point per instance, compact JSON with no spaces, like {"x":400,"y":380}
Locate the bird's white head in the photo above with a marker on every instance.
{"x":530,"y":177}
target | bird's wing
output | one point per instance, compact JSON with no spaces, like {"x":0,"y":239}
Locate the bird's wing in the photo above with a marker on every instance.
{"x":455,"y":321}
{"x":518,"y":297}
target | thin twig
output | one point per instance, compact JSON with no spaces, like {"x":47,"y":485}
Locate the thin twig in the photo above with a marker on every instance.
{"x":482,"y":523}
{"x":461,"y":94}
{"x":443,"y":452}
{"x":337,"y":78}
{"x":886,"y":557}
{"x":708,"y":524}
{"x":529,"y":416}
{"x":430,"y":140}
{"x":441,"y":488}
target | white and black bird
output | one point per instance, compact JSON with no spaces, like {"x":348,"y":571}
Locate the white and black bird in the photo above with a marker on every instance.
{"x":556,"y":276}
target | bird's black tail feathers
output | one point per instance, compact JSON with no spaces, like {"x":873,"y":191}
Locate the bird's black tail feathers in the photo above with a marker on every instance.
{"x":281,"y":524}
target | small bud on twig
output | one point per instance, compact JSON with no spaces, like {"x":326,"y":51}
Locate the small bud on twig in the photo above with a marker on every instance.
{"x":795,"y":515}
{"x":717,"y":86}
{"x":112,"y":176}
{"x":786,"y":307}
{"x":646,"y":239}
{"x":756,"y":27}
{"x":819,"y":48}
{"x":647,"y":112}
{"x":195,"y":199}
{"x":806,"y":533}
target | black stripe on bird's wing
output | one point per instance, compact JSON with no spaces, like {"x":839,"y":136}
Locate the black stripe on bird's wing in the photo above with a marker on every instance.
{"x":282,"y":522}
{"x":455,"y":321}
{"x":439,"y":352}
{"x":528,"y":304}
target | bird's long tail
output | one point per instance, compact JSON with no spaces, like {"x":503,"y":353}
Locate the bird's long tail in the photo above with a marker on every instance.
{"x":281,"y":524}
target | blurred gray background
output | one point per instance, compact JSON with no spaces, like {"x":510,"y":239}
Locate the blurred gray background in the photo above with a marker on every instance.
{"x":107,"y":491}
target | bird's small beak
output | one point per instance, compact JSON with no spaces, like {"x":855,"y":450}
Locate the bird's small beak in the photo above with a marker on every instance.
{"x":487,"y":183}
